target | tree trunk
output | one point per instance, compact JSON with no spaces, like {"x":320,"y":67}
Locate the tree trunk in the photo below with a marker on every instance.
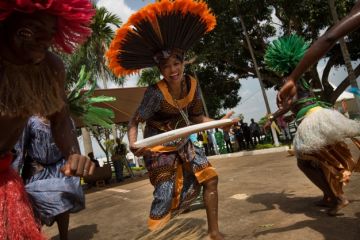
{"x":114,"y":131}
{"x":276,"y":141}
{"x":345,"y":53}
{"x":87,"y":141}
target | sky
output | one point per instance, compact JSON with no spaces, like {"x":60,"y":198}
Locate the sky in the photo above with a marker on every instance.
{"x":252,"y":102}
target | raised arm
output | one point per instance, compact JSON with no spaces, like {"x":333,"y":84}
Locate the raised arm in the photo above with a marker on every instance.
{"x":275,"y":115}
{"x":318,"y":49}
{"x":64,"y":134}
{"x":132,"y":132}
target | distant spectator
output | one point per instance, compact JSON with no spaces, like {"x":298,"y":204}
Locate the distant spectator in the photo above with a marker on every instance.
{"x":219,"y":137}
{"x":119,"y":159}
{"x":205,"y":142}
{"x":93,"y":159}
{"x":210,"y":143}
{"x":284,"y":127}
{"x":255,"y":131}
{"x":228,"y":142}
{"x":239,"y":136}
{"x":247,"y":135}
{"x":200,"y":137}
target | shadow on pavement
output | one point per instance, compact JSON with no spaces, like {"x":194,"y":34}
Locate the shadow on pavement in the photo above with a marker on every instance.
{"x":177,"y":229}
{"x":332,"y":228}
{"x":84,"y":232}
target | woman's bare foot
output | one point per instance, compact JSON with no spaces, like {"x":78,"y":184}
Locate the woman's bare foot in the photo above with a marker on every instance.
{"x":215,"y":236}
{"x":342,"y":202}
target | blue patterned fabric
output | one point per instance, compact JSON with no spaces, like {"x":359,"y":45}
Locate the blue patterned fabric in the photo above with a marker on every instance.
{"x":160,"y":116}
{"x":51,"y":192}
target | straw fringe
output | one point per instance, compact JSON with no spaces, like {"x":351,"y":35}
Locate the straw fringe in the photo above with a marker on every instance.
{"x":178,"y":229}
{"x":27,"y":90}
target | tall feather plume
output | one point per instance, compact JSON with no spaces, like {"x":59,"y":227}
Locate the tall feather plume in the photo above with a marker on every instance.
{"x":163,"y":25}
{"x":284,"y":54}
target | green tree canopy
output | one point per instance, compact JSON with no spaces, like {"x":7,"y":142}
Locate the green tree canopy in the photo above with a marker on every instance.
{"x":226,"y":50}
{"x":91,"y":53}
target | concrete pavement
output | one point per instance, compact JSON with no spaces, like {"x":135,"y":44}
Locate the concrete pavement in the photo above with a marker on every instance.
{"x":260,"y":197}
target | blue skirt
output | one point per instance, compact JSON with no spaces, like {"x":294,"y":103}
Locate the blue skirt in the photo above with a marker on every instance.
{"x":53,"y":193}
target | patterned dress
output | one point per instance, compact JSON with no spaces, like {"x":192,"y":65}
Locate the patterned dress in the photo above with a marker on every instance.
{"x":176,"y":169}
{"x":39,"y":161}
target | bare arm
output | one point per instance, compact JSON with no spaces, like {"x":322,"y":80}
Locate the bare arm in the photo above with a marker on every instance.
{"x":317,"y":50}
{"x":322,"y":45}
{"x":200,"y":119}
{"x":132,"y":131}
{"x":63,"y":132}
{"x":61,"y":125}
{"x":275,"y":115}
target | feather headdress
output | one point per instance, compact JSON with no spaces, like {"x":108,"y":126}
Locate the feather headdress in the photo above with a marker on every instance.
{"x":159,"y":28}
{"x":74,"y":18}
{"x":284,"y":54}
{"x":81,"y":104}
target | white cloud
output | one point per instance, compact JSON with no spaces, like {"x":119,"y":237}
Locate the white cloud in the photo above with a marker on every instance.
{"x":131,"y":80}
{"x":117,"y":7}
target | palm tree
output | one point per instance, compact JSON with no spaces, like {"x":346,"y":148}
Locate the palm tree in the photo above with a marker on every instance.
{"x":91,"y":55}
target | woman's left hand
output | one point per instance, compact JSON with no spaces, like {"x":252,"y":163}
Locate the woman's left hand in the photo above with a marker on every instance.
{"x":227,"y":116}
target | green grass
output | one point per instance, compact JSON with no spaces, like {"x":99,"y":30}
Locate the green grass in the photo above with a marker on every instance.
{"x":265,"y":146}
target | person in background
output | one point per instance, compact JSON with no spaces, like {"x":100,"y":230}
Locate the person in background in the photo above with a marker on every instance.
{"x":228,"y":144}
{"x":239,"y":136}
{"x":205,"y":142}
{"x":284,"y":128}
{"x":93,"y":159}
{"x":219,"y":137}
{"x":247,"y":135}
{"x":210,"y":143}
{"x":53,"y":195}
{"x":119,"y":159}
{"x":255,"y":131}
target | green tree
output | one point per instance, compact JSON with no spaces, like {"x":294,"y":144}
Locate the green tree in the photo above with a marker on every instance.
{"x":225,"y":48}
{"x":149,"y":76}
{"x":91,"y":53}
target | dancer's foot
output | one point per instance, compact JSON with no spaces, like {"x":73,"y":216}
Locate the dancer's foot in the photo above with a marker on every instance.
{"x":215,"y":236}
{"x":325,"y":202}
{"x":342,"y":202}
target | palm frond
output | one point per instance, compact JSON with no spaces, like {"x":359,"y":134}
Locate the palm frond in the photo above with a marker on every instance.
{"x":81,"y":103}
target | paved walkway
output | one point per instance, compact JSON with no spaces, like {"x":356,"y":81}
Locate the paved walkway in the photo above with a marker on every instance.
{"x":260,"y":197}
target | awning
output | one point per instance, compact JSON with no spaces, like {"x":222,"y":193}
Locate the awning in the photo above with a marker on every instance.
{"x":127,"y":101}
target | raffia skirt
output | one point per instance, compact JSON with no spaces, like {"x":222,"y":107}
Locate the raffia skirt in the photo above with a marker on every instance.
{"x":321,"y":138}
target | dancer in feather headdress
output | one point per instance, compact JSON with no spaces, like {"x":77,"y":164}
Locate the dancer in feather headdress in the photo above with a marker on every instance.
{"x":159,"y":35}
{"x":319,"y":143}
{"x":32,"y":82}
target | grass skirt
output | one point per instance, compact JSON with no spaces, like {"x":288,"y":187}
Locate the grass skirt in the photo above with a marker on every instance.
{"x":17,"y":220}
